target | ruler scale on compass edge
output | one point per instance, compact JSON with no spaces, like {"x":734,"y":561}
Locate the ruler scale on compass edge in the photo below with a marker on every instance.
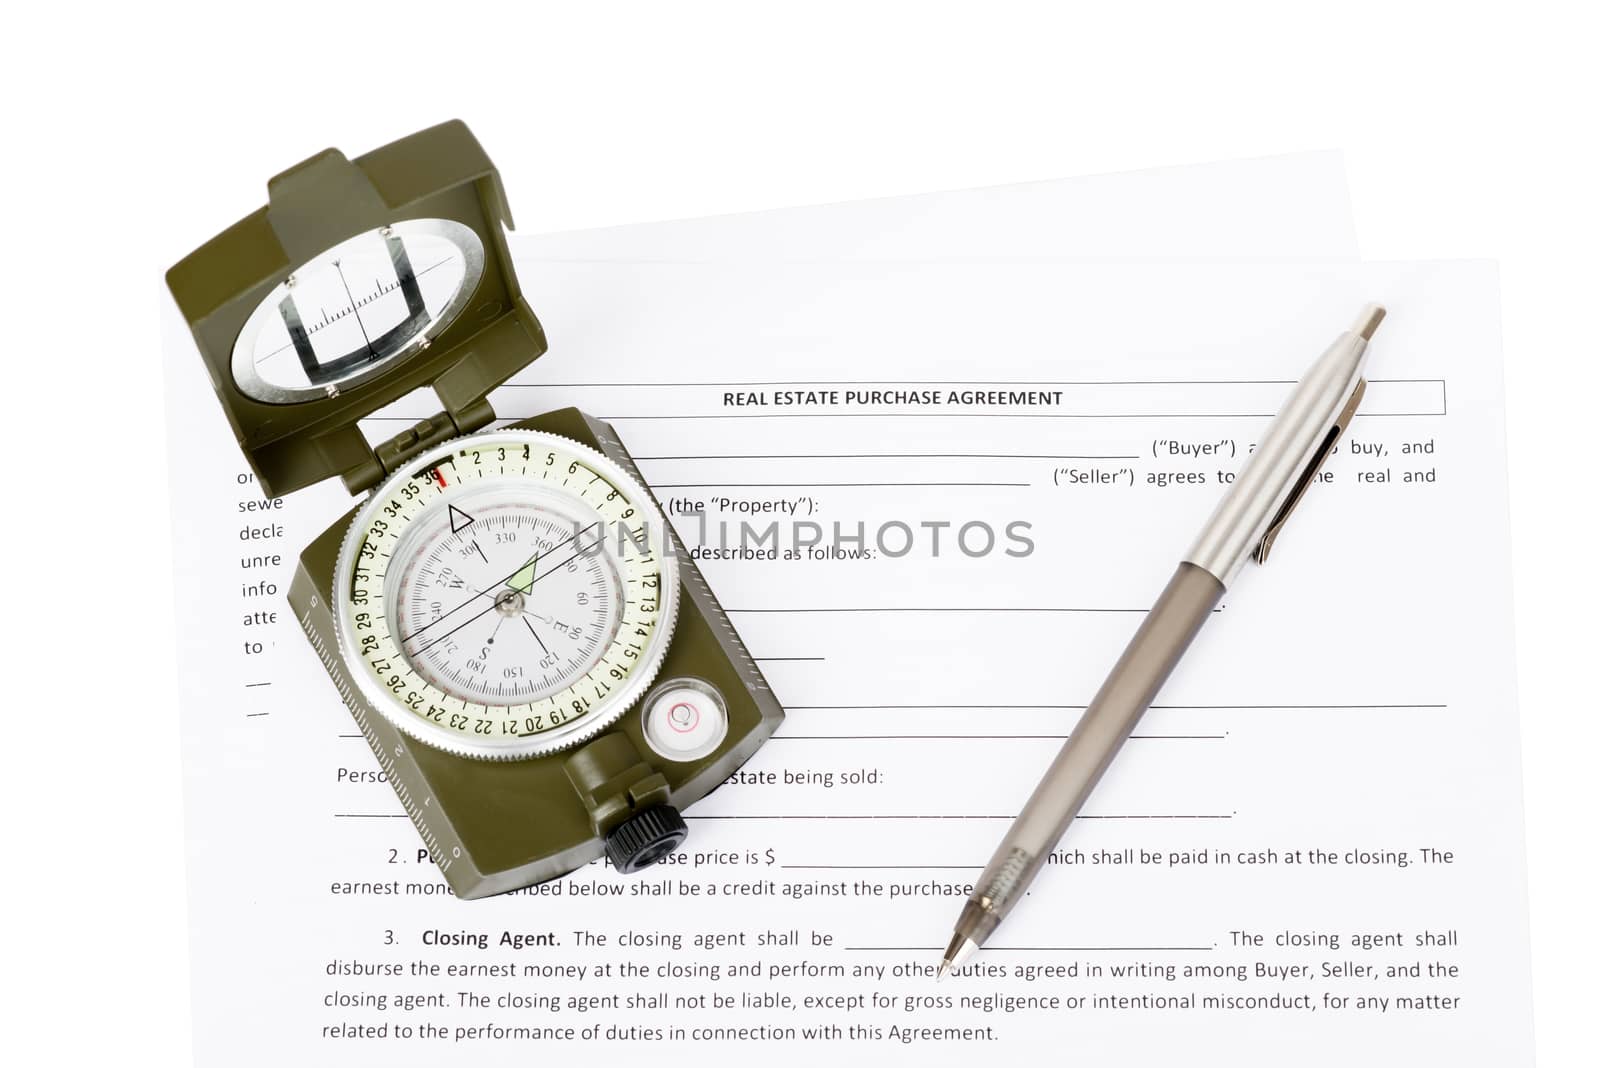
{"x":498,"y":608}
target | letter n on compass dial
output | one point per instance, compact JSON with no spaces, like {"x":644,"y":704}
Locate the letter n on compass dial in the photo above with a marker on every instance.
{"x":506,"y":595}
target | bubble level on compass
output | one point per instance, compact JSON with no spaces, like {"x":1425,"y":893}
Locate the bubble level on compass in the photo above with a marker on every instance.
{"x":506,"y":595}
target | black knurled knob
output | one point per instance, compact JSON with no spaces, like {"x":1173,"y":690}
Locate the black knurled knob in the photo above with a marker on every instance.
{"x":646,"y":838}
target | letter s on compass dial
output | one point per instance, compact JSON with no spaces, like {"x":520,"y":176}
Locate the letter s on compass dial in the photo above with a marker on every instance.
{"x":505,"y":595}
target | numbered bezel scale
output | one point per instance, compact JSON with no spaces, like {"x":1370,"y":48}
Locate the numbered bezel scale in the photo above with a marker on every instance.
{"x":506,"y":595}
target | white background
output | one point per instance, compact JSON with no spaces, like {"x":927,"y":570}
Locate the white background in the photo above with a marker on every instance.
{"x":136,"y":132}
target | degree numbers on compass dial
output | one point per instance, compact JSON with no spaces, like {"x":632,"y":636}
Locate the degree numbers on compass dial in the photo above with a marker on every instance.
{"x":506,"y":595}
{"x":542,"y":633}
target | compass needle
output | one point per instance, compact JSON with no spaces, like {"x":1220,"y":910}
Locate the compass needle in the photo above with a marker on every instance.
{"x":523,"y":579}
{"x":545,"y":649}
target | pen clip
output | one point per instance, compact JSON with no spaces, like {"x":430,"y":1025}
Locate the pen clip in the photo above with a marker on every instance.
{"x":1310,"y":473}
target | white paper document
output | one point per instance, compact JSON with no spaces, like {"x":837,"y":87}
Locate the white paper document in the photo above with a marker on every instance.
{"x":977,"y":477}
{"x":974,"y":478}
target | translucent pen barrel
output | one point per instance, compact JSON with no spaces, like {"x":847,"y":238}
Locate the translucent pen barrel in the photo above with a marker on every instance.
{"x":1178,"y":615}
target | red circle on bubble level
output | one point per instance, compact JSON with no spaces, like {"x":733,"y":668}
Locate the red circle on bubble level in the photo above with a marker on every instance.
{"x":693,"y":719}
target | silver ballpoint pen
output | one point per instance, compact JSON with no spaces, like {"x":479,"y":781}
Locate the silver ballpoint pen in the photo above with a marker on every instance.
{"x":1245,"y":524}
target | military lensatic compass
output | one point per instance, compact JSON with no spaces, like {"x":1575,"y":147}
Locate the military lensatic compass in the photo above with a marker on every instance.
{"x":539,"y":670}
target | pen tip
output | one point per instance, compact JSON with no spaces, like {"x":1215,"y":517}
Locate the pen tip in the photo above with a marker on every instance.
{"x":1367,"y":322}
{"x":944,"y":970}
{"x":961,"y":949}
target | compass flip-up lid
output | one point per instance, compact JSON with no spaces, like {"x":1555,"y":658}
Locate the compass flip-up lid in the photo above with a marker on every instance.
{"x":359,"y":282}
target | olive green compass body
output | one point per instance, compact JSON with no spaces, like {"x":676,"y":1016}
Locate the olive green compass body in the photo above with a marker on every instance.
{"x":538,"y":667}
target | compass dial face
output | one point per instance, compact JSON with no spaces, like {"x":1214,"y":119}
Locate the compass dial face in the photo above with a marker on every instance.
{"x":506,"y":595}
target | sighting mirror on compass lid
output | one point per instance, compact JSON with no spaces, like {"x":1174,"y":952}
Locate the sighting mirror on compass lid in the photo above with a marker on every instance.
{"x":359,"y":282}
{"x":365,"y":303}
